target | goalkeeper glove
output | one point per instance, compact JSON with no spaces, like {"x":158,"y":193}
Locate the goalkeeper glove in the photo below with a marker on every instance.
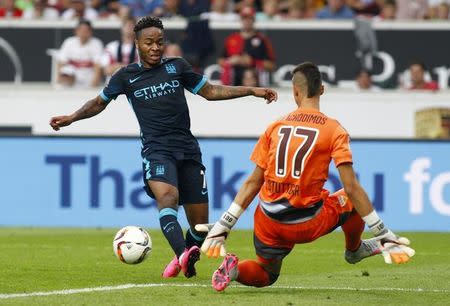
{"x":214,"y":244}
{"x":395,"y":249}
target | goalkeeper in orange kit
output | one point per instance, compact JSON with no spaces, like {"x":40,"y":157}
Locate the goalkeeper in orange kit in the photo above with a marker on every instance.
{"x":292,"y":159}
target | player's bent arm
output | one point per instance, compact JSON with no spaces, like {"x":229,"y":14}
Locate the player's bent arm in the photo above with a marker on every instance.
{"x":89,"y":109}
{"x":394,"y":248}
{"x":362,"y":204}
{"x":250,"y":188}
{"x":222,"y":92}
{"x":354,"y":191}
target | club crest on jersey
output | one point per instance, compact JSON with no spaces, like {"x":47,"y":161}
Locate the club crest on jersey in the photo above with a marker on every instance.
{"x":160,"y":170}
{"x":342,"y":200}
{"x":170,"y":68}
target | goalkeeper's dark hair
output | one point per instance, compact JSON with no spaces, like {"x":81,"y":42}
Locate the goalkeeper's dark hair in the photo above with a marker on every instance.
{"x":147,"y":22}
{"x":311,"y":76}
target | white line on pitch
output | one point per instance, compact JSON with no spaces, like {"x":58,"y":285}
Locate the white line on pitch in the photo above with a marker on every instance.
{"x":130,"y":286}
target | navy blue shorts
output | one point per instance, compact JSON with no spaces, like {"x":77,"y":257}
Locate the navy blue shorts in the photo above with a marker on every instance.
{"x":186,"y":173}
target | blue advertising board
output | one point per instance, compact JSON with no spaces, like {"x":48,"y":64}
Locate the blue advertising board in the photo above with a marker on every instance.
{"x":97,"y":182}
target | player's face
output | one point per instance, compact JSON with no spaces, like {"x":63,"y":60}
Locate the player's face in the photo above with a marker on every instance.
{"x":150,"y":44}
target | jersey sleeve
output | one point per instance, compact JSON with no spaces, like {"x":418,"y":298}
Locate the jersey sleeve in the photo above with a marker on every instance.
{"x":114,"y":87}
{"x":260,"y":154}
{"x":191,"y":80}
{"x":341,"y":152}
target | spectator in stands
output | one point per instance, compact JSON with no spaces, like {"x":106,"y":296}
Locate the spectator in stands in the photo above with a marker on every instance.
{"x":250,"y":78}
{"x":335,"y":9}
{"x":41,"y":10}
{"x":246,"y":49}
{"x":388,"y":10}
{"x":193,"y":8}
{"x":411,"y":9}
{"x":170,"y":8}
{"x":364,"y":81}
{"x":78,"y":58}
{"x":8,"y":9}
{"x":438,"y":9}
{"x":443,"y":11}
{"x":220,"y":11}
{"x":418,"y":82}
{"x":366,"y":7}
{"x":141,"y":8}
{"x":106,"y":8}
{"x":119,"y":53}
{"x":296,"y":9}
{"x":173,"y":49}
{"x":270,"y":11}
{"x":79,"y":10}
{"x":24,"y":4}
{"x":256,"y":4}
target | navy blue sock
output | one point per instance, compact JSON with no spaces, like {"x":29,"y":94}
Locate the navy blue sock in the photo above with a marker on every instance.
{"x":172,"y":230}
{"x":194,"y":238}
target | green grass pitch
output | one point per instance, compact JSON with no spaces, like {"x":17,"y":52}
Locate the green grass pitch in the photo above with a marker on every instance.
{"x":51,"y":260}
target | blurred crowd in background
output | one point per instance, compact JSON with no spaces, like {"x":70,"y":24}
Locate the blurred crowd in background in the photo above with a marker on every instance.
{"x":226,"y":10}
{"x":247,"y":57}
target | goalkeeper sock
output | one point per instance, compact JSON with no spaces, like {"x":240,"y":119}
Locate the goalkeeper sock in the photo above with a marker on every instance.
{"x":172,"y":230}
{"x":194,"y":238}
{"x":353,"y":229}
{"x":252,"y":274}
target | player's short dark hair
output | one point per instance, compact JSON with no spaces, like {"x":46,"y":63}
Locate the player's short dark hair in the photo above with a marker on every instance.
{"x":147,"y":22}
{"x":312,"y":75}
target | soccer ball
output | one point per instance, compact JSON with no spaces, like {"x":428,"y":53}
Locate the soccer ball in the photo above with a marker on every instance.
{"x":132,"y":244}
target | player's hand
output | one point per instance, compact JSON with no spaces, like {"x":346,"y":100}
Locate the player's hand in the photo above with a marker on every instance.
{"x":395,"y":249}
{"x":389,"y":236}
{"x":59,"y":121}
{"x":214,"y":244}
{"x":396,"y":253}
{"x":269,"y":94}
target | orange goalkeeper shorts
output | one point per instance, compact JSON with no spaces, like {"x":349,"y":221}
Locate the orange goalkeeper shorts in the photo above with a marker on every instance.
{"x":274,"y":240}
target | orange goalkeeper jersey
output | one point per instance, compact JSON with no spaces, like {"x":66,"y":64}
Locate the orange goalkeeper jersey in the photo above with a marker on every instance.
{"x":295,"y":153}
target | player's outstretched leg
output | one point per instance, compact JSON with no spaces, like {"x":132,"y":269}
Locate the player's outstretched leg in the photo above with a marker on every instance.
{"x":226,"y":273}
{"x":188,"y":259}
{"x":369,"y":247}
{"x":174,"y":267}
{"x":174,"y":235}
{"x":247,"y":272}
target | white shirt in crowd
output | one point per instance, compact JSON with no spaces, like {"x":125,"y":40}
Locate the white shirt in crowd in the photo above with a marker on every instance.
{"x":89,"y":14}
{"x":48,"y":13}
{"x":110,"y":54}
{"x":79,"y":60}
